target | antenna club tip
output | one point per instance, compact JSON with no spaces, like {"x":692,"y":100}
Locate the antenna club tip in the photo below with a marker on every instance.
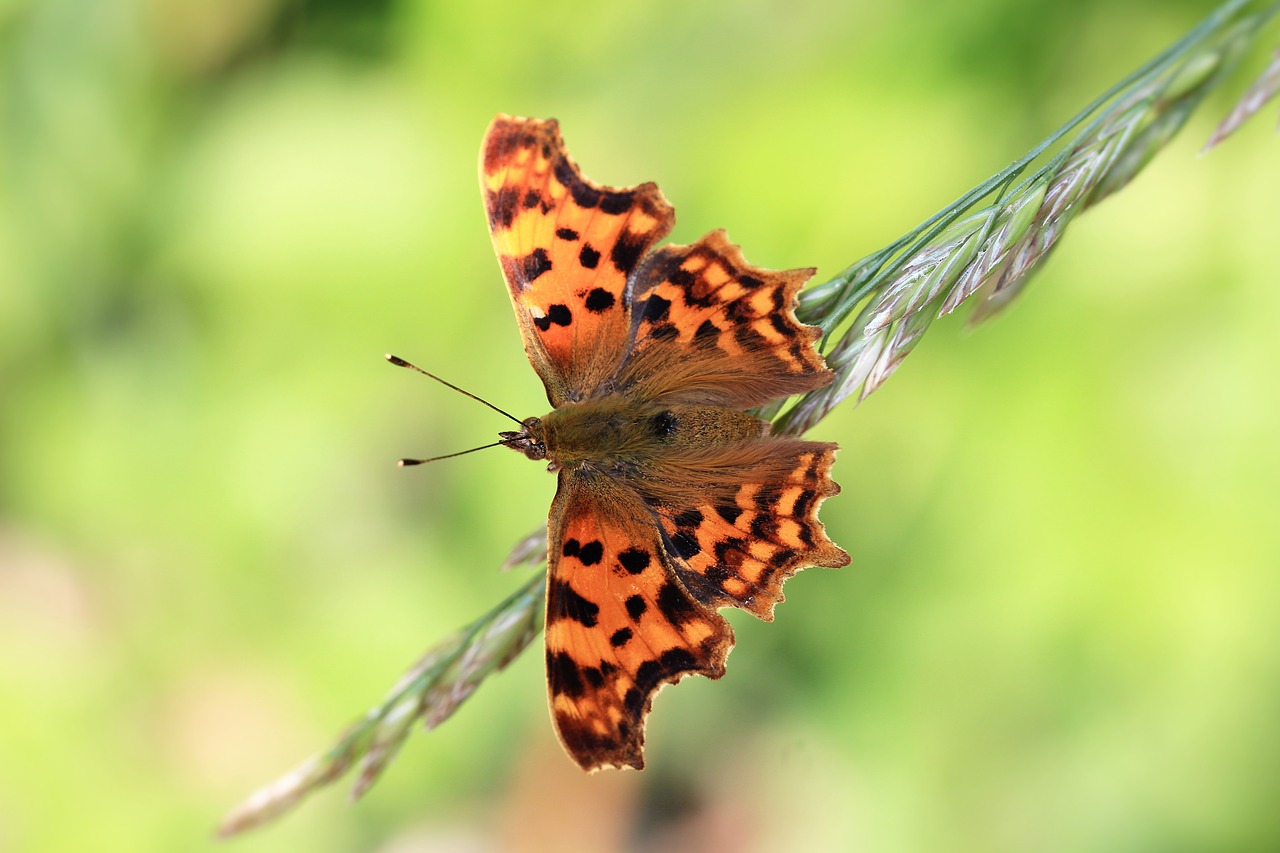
{"x":405,"y":463}
{"x":400,"y":362}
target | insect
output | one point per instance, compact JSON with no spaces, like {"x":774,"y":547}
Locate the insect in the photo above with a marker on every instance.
{"x":673,"y":500}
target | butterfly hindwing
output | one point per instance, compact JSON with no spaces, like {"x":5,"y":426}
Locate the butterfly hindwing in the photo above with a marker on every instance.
{"x":620,"y":625}
{"x":736,"y":542}
{"x":566,"y":246}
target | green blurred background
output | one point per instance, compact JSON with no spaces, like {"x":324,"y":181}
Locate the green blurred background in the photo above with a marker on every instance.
{"x":1060,"y":628}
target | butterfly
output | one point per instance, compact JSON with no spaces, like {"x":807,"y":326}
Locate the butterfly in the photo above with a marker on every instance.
{"x":672,"y":500}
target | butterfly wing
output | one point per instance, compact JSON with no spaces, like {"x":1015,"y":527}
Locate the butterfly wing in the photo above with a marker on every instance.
{"x":620,"y":625}
{"x":739,"y":529}
{"x":566,"y":246}
{"x":710,"y":328}
{"x":638,"y":561}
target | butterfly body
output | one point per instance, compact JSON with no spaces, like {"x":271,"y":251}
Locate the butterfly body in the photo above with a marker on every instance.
{"x":621,"y":436}
{"x":672,"y":499}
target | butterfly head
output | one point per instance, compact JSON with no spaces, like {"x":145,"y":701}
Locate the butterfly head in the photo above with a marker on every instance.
{"x":530,"y":439}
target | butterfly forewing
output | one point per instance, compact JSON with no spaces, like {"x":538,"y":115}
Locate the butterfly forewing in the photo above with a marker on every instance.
{"x":566,"y":246}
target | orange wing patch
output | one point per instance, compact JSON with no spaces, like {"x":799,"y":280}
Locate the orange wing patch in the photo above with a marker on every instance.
{"x":708,"y":302}
{"x":739,"y":552}
{"x":620,"y":625}
{"x":566,"y":246}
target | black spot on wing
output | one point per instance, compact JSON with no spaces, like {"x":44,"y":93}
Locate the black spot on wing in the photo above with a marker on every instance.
{"x":503,"y":206}
{"x":782,"y":557}
{"x":591,"y":553}
{"x":678,"y":660}
{"x":737,"y":312}
{"x":656,"y":308}
{"x":599,"y":300}
{"x":648,"y":674}
{"x":636,"y":607}
{"x":663,"y":332}
{"x":779,"y":298}
{"x":731,"y":552}
{"x":583,"y":194}
{"x":615,"y":203}
{"x":620,"y":637}
{"x":688,"y":518}
{"x":681,"y":277}
{"x":675,"y":605}
{"x":533,"y":265}
{"x":635,"y":561}
{"x":764,"y":527}
{"x":685,"y":545}
{"x":564,"y":173}
{"x":588,"y":256}
{"x":567,"y":234}
{"x":563,"y":674}
{"x":566,"y":603}
{"x":557,"y":314}
{"x":626,"y":252}
{"x":717,"y":574}
{"x":729,"y":513}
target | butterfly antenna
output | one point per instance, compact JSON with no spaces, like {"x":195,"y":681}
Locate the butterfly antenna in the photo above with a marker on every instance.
{"x":405,"y":463}
{"x":400,"y":362}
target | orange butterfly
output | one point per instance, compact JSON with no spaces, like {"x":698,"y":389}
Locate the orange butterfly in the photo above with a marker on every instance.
{"x":673,"y":500}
